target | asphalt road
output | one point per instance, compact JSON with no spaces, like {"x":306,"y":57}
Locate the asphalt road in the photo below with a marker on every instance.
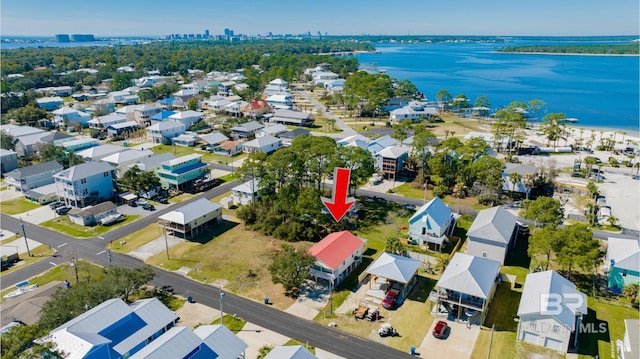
{"x":92,"y":249}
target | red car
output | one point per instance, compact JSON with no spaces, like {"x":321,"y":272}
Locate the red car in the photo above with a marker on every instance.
{"x":440,"y":329}
{"x":390,"y":299}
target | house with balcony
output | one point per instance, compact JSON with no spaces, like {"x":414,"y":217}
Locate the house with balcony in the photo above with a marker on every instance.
{"x":50,"y":103}
{"x":280,"y":102}
{"x":187,"y":118}
{"x":381,"y":143}
{"x":255,"y":109}
{"x":30,"y":144}
{"x":235,"y":108}
{"x":337,"y":255}
{"x":191,"y":219}
{"x":414,"y":111}
{"x":103,"y":122}
{"x":265,"y":144}
{"x":152,"y":163}
{"x":623,"y":262}
{"x":390,"y":161}
{"x":122,"y":130}
{"x":86,"y":184}
{"x":431,"y":224}
{"x":26,"y":178}
{"x":180,"y":173}
{"x":550,"y":311}
{"x":64,"y":114}
{"x":468,"y":283}
{"x":8,"y":160}
{"x":163,"y":132}
{"x":492,"y":233}
{"x":142,"y":113}
{"x":121,"y":160}
{"x":76,"y":145}
{"x":246,"y":130}
{"x":113,"y":329}
{"x":276,"y":87}
{"x":294,"y":118}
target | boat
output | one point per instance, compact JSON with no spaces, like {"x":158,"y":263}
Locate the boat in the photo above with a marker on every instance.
{"x":21,"y":290}
{"x":111,"y":219}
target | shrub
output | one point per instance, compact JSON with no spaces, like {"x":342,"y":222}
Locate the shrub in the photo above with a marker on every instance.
{"x":441,"y":190}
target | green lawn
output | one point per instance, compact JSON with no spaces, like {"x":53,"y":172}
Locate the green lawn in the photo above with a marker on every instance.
{"x":62,"y":224}
{"x":407,"y":190}
{"x":136,"y":239}
{"x":18,"y":205}
{"x":232,"y":323}
{"x":9,"y":239}
{"x":37,"y":254}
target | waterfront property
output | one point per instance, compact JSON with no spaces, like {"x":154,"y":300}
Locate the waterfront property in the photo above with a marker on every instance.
{"x":337,"y":255}
{"x":414,"y":111}
{"x":180,"y":173}
{"x":466,"y":286}
{"x":86,"y":184}
{"x":492,"y":233}
{"x":191,"y":219}
{"x":623,"y":262}
{"x":26,"y":178}
{"x":431,"y":223}
{"x":550,"y":311}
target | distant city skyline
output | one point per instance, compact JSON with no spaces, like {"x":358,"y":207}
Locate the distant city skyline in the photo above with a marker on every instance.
{"x":357,"y":17}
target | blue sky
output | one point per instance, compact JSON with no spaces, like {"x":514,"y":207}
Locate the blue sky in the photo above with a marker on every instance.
{"x":352,"y":17}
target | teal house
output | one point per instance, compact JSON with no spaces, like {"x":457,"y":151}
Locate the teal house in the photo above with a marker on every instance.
{"x":623,"y":261}
{"x":181,"y":172}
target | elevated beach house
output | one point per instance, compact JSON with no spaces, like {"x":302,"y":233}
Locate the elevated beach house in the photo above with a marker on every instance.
{"x":337,"y":255}
{"x":26,"y":178}
{"x":492,"y":233}
{"x":180,"y":173}
{"x":189,"y":220}
{"x":431,"y":223}
{"x":86,"y":184}
{"x":623,"y":262}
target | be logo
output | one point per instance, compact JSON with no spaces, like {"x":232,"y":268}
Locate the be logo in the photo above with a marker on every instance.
{"x":554,"y":304}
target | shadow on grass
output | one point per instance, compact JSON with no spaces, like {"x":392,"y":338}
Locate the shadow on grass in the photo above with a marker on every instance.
{"x":215,"y":231}
{"x":593,"y":330}
{"x":517,"y":256}
{"x":503,"y":309}
{"x":420,"y":293}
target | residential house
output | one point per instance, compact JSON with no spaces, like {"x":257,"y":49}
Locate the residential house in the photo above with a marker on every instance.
{"x":337,"y":255}
{"x":28,"y":145}
{"x":280,"y":102}
{"x":16,"y":131}
{"x":355,"y":140}
{"x":295,"y":118}
{"x":86,"y":184}
{"x":334,"y":86}
{"x":189,"y":220}
{"x":431,"y":223}
{"x":247,"y":192}
{"x":629,"y":346}
{"x":121,"y":160}
{"x":91,"y":215}
{"x":161,"y":116}
{"x":381,"y":143}
{"x":390,"y":161}
{"x":392,"y":271}
{"x":181,"y":172}
{"x":184,"y":96}
{"x":61,"y":91}
{"x":97,"y":153}
{"x":142,"y":113}
{"x":79,"y":145}
{"x":163,"y":132}
{"x":246,"y":130}
{"x":623,"y":262}
{"x":113,"y":329}
{"x":187,"y":118}
{"x":492,"y":233}
{"x":224,"y":88}
{"x":266,"y":144}
{"x":8,"y":160}
{"x":121,"y":130}
{"x":66,"y":114}
{"x":103,"y":122}
{"x":101,"y":107}
{"x":276,"y":87}
{"x":25,"y":309}
{"x":469,"y":283}
{"x":50,"y":103}
{"x":273,"y":130}
{"x":185,"y":140}
{"x":229,"y":148}
{"x":524,"y":171}
{"x":152,"y":163}
{"x":288,"y":137}
{"x":414,"y":111}
{"x":321,"y":78}
{"x":289,"y":352}
{"x":550,"y":311}
{"x":26,"y":178}
{"x":235,"y":108}
{"x":206,"y":341}
{"x":166,"y":103}
{"x":122,"y":97}
{"x":212,"y":140}
{"x":255,"y":108}
{"x":43,"y":194}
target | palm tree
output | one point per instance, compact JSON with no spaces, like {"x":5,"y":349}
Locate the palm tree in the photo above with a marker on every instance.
{"x":514,"y":178}
{"x":631,"y":291}
{"x":527,"y":180}
{"x":459,"y":192}
{"x":612,"y":221}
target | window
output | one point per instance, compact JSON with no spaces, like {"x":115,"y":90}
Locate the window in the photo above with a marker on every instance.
{"x":83,"y":181}
{"x":106,"y":174}
{"x":85,"y":191}
{"x":624,"y":273}
{"x":424,"y":231}
{"x":484,"y":254}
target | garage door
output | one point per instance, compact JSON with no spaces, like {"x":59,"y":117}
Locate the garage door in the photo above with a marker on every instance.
{"x":530,"y":338}
{"x":553,"y":344}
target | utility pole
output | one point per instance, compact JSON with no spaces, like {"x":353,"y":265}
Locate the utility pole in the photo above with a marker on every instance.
{"x":221,"y":311}
{"x":26,"y":243}
{"x":166,"y":241}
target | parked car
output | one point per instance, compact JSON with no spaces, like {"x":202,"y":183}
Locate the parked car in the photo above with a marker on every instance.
{"x":577,"y":174}
{"x":440,"y":329}
{"x":62,"y":210}
{"x":597,"y":177}
{"x":636,"y":177}
{"x":148,"y":207}
{"x":141,"y":202}
{"x":390,"y":299}
{"x":133,"y":204}
{"x":56,"y":204}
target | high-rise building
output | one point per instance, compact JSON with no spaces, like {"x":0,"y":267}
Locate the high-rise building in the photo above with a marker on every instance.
{"x":206,"y":34}
{"x":62,"y":38}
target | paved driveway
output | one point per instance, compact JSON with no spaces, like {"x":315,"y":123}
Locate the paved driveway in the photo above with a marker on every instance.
{"x":458,"y":345}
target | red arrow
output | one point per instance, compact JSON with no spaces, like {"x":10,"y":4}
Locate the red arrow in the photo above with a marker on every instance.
{"x":339,"y":204}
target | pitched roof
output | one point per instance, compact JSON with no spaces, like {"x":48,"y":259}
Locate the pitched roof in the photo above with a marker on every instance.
{"x":394,"y":267}
{"x":290,"y":352}
{"x":214,"y":138}
{"x":283,"y":113}
{"x":494,"y":224}
{"x":162,"y":115}
{"x":24,"y":172}
{"x":335,"y":248}
{"x":124,"y":125}
{"x":177,"y":342}
{"x":191,"y":211}
{"x":248,"y":187}
{"x":519,"y":168}
{"x":83,"y":170}
{"x":393,"y":152}
{"x":126,"y":156}
{"x":101,"y":150}
{"x":186,"y":114}
{"x":147,"y":163}
{"x":262,"y":141}
{"x":249,"y":126}
{"x":97,"y":209}
{"x":165,"y":125}
{"x":26,"y":308}
{"x":227,"y":145}
{"x":624,"y":253}
{"x":274,"y":129}
{"x":539,"y":284}
{"x":294,"y":133}
{"x":470,"y":275}
{"x":439,"y":211}
{"x":221,"y":340}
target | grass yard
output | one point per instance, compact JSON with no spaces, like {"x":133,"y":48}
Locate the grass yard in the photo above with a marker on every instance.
{"x":9,"y":239}
{"x":226,"y":211}
{"x":136,"y":239}
{"x":62,"y":224}
{"x":181,"y":197}
{"x":18,"y":205}
{"x":293,"y":342}
{"x":232,"y":323}
{"x":244,"y":273}
{"x":180,"y":151}
{"x":37,"y":254}
{"x":409,"y":190}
